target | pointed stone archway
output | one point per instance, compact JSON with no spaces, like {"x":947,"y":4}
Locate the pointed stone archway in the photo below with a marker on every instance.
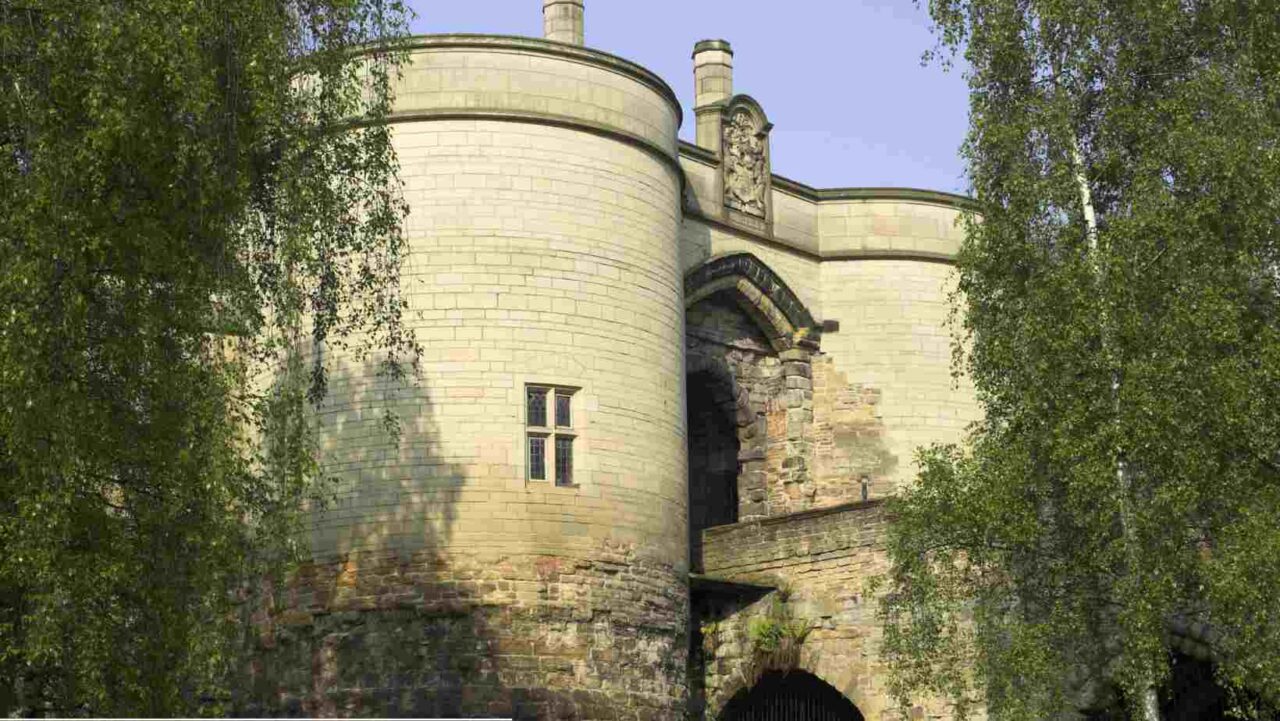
{"x":761,"y":294}
{"x":749,"y":345}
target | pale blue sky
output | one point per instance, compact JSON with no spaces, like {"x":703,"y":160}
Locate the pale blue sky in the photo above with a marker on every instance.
{"x":841,"y":80}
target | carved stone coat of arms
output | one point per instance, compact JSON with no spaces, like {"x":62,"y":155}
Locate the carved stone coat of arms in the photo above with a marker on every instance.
{"x":745,"y":166}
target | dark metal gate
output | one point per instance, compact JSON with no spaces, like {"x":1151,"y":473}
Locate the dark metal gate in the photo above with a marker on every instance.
{"x":795,"y":696}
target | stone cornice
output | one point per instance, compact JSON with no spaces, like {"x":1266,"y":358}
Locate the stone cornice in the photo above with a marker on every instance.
{"x":915,"y":195}
{"x":559,"y":121}
{"x":699,"y":153}
{"x":721,"y":45}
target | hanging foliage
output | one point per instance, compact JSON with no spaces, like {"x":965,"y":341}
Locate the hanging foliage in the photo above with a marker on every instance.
{"x":196,"y":198}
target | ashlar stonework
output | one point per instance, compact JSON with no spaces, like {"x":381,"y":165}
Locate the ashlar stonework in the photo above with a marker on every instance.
{"x":746,"y":365}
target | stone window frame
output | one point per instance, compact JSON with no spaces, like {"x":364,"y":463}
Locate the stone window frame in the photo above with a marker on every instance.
{"x":551,"y":432}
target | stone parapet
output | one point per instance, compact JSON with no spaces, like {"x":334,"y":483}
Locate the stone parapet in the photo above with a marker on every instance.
{"x":780,"y":549}
{"x":534,"y":80}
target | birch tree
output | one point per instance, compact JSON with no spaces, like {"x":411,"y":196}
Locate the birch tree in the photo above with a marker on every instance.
{"x":191,"y":193}
{"x":1119,"y":315}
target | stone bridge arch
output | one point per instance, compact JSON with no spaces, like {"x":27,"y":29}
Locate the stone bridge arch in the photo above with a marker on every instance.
{"x":1193,"y":690}
{"x":793,"y":695}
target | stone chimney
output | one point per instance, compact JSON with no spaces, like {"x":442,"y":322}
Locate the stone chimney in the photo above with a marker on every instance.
{"x":562,"y":21}
{"x":712,"y":87}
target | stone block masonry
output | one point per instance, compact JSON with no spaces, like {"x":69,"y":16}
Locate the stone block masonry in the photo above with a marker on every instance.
{"x":446,"y":578}
{"x":522,"y":636}
{"x":822,"y":559}
{"x":561,"y":237}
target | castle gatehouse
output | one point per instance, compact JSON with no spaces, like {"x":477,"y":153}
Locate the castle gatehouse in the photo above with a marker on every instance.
{"x":664,"y":393}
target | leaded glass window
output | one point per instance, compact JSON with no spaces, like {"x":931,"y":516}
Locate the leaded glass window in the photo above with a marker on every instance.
{"x":564,"y":460}
{"x":538,"y":458}
{"x":550,"y":433}
{"x":537,"y":405}
{"x":563,"y":418}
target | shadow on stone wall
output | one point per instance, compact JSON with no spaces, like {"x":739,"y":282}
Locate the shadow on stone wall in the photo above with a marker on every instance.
{"x":397,"y":615}
{"x":714,"y":463}
{"x":379,"y":622}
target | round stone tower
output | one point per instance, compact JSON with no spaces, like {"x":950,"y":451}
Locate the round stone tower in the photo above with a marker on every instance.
{"x":523,"y":550}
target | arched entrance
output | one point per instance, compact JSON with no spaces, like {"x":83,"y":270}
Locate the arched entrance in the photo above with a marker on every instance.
{"x":793,"y":696}
{"x":1193,"y":694}
{"x":739,"y":317}
{"x":713,"y":458}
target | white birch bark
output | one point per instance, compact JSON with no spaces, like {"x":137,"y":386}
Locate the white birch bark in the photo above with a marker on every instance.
{"x":1150,"y":706}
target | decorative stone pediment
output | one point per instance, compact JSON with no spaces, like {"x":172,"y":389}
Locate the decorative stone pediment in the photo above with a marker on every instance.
{"x":745,"y":154}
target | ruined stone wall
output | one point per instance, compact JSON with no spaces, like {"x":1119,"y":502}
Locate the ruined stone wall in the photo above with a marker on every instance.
{"x":822,"y":560}
{"x":808,"y":438}
{"x":768,"y":394}
{"x":849,"y":449}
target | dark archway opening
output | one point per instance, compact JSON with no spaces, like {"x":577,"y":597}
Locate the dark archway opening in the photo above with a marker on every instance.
{"x":1192,"y":693}
{"x":793,"y":696}
{"x":713,"y":459}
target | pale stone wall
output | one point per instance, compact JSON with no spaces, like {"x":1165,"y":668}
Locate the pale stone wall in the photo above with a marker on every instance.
{"x":545,"y":257}
{"x":795,"y":222}
{"x":543,"y":250}
{"x":887,"y":279}
{"x":822,"y":559}
{"x":894,"y":341}
{"x":888,"y":227}
{"x":474,"y":74}
{"x":702,"y":185}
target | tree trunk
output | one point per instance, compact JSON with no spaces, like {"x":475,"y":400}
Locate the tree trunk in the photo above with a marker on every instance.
{"x":1150,"y":707}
